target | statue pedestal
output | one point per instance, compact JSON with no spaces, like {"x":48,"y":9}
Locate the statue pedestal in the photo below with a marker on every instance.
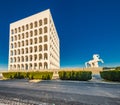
{"x":94,"y":70}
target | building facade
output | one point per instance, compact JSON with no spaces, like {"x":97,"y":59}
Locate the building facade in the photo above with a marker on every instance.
{"x":34,"y":43}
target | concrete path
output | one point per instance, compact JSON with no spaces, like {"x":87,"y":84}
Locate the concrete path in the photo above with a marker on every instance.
{"x":57,"y":92}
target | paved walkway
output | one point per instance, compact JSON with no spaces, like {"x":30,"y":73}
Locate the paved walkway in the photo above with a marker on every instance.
{"x":57,"y":92}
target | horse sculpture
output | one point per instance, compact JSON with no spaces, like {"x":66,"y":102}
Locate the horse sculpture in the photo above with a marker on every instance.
{"x":94,"y":62}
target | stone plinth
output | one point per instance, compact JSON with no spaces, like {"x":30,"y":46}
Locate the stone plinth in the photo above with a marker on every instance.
{"x":93,"y":70}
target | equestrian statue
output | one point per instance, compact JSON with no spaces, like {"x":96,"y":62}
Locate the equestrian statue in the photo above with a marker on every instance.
{"x":94,"y":62}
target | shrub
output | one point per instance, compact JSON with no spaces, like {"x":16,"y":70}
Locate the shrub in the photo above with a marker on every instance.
{"x":29,"y":75}
{"x":117,"y":68}
{"x":111,"y":75}
{"x":12,"y":75}
{"x":8,"y":75}
{"x":75,"y":75}
{"x":40,"y":75}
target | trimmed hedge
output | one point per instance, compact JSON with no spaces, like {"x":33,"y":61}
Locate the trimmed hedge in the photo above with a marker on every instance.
{"x":75,"y":75}
{"x":111,"y":75}
{"x":28,"y":75}
{"x":17,"y":75}
{"x":117,"y":68}
{"x":40,"y":75}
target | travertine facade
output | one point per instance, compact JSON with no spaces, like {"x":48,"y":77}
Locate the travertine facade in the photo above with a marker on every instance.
{"x":34,"y":43}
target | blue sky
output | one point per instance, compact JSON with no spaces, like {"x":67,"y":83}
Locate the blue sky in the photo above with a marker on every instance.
{"x":85,"y":27}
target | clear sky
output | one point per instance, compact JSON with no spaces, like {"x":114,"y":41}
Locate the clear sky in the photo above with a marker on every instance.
{"x":85,"y":27}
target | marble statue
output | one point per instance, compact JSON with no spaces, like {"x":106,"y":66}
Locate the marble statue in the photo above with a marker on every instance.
{"x":94,"y":62}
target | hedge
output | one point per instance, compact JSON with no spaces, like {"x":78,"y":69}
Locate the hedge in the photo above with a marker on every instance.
{"x":12,"y":75}
{"x":40,"y":75}
{"x":111,"y":75}
{"x":117,"y":68}
{"x":28,"y":75}
{"x":75,"y":75}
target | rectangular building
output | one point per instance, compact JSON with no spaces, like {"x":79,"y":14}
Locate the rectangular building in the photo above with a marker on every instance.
{"x":34,"y":43}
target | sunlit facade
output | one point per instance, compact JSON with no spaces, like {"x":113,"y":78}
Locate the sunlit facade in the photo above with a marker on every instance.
{"x":34,"y":43}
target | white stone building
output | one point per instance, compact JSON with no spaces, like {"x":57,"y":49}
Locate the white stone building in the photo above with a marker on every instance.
{"x":34,"y":43}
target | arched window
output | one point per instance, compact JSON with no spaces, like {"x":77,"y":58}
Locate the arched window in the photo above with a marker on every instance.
{"x":15,"y":44}
{"x":30,"y":66}
{"x":40,"y":65}
{"x":11,"y":45}
{"x":18,"y":67}
{"x":19,"y":37}
{"x":45,"y":38}
{"x":40,"y":22}
{"x":35,"y":57}
{"x":35,"y":49}
{"x":27,"y":27}
{"x":35,"y":66}
{"x":26,"y":50}
{"x":15,"y":30}
{"x":26,"y":42}
{"x":31,"y":58}
{"x":15,"y":52}
{"x":31,"y":33}
{"x":45,"y":21}
{"x":40,"y":39}
{"x":26,"y":58}
{"x":45,"y":65}
{"x":40,"y":30}
{"x":45,"y":29}
{"x":27,"y":35}
{"x":12,"y":31}
{"x":22,"y":67}
{"x":11,"y":53}
{"x":45,"y":47}
{"x":35,"y":24}
{"x":26,"y":66}
{"x":35,"y":32}
{"x":31,"y":50}
{"x":23,"y":28}
{"x":22,"y":43}
{"x":22,"y":35}
{"x":40,"y":56}
{"x":45,"y":56}
{"x":11,"y":60}
{"x":40,"y":48}
{"x":18,"y":51}
{"x":18,"y":59}
{"x":19,"y":29}
{"x":31,"y":25}
{"x":14,"y":59}
{"x":35,"y":40}
{"x":14,"y":66}
{"x":31,"y":41}
{"x":12,"y":38}
{"x":22,"y":50}
{"x":22,"y":59}
{"x":15,"y":38}
{"x":18,"y":44}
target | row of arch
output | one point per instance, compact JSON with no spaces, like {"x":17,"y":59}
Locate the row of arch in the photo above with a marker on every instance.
{"x":54,"y":65}
{"x":55,"y":50}
{"x":30,"y":26}
{"x":29,"y":34}
{"x":56,"y":58}
{"x":29,"y":50}
{"x":31,"y":66}
{"x":29,"y":58}
{"x":29,"y":42}
{"x":54,"y":35}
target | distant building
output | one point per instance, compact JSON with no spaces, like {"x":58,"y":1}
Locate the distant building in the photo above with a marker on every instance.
{"x":34,"y":43}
